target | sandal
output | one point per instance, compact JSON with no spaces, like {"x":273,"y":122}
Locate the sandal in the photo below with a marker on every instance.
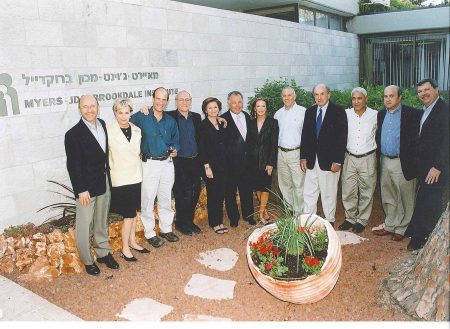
{"x":219,"y":230}
{"x":224,"y":229}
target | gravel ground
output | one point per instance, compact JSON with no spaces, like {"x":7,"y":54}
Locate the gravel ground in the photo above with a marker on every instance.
{"x":163,"y":274}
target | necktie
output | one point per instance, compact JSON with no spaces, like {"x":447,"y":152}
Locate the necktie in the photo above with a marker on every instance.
{"x":240,"y":126}
{"x":319,"y":122}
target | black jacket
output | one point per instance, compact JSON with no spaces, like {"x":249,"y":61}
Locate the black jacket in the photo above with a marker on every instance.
{"x":87,"y":164}
{"x":409,"y":131}
{"x":212,"y":147}
{"x":264,"y":145}
{"x":237,"y":150}
{"x":433,"y":144}
{"x":330,"y":146}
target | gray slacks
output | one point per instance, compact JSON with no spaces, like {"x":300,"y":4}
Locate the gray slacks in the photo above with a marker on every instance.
{"x":92,"y":220}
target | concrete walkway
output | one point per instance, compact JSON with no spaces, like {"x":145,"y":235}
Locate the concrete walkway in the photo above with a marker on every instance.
{"x":20,"y":304}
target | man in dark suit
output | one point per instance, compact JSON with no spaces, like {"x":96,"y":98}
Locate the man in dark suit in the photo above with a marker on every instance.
{"x":322,"y":152}
{"x":432,"y":163}
{"x":188,"y":169}
{"x":238,"y":156}
{"x":398,"y":128}
{"x":86,"y":146}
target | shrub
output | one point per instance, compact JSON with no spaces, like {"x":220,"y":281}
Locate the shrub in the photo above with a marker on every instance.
{"x":272,"y":91}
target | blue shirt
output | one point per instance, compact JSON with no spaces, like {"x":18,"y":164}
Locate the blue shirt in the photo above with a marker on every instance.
{"x":157,"y":136}
{"x":188,"y":144}
{"x":390,"y":132}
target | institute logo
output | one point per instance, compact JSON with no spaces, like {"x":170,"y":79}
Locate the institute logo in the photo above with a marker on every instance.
{"x":9,"y":103}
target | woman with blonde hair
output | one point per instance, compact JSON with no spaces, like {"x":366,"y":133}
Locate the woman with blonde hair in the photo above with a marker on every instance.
{"x":126,"y":174}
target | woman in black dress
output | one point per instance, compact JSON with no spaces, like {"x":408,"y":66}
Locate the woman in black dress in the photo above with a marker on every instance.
{"x":212,"y":155}
{"x":264,"y":136}
{"x":126,"y":174}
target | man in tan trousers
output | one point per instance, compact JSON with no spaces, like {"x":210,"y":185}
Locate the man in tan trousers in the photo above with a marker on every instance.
{"x":290,"y":177}
{"x":398,"y":130}
{"x":359,"y":173}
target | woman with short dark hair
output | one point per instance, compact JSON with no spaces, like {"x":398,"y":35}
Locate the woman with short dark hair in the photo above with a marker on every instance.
{"x":212,"y":155}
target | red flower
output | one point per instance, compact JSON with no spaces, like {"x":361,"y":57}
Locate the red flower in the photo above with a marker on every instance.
{"x":268,"y":266}
{"x":263,"y":250}
{"x":276,"y":252}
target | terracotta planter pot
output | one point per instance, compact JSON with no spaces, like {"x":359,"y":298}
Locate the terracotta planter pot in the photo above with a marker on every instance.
{"x":314,"y":287}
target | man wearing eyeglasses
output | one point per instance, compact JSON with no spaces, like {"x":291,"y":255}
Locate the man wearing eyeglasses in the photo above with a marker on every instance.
{"x":186,"y":188}
{"x":86,"y":146}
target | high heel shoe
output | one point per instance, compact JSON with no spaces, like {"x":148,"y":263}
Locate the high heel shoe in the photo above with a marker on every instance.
{"x":142,"y":251}
{"x":129,"y":259}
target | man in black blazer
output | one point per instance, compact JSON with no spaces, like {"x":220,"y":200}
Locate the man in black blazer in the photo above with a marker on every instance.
{"x":322,"y":152}
{"x":398,"y":128}
{"x":86,"y":146}
{"x":238,"y":161}
{"x":188,"y":168}
{"x":432,"y":163}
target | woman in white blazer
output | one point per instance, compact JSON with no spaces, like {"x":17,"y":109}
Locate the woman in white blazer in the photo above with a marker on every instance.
{"x":126,"y":174}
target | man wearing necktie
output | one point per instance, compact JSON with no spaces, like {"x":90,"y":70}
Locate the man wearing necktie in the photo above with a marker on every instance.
{"x":322,"y":151}
{"x":237,"y":154}
{"x":432,"y":163}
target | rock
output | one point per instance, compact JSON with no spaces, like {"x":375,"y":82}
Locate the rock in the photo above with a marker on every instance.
{"x":55,"y":236}
{"x":55,"y":251}
{"x":115,"y":229}
{"x":39,"y":237}
{"x":3,"y":246}
{"x":20,"y":243}
{"x":24,"y":257}
{"x":40,"y":271}
{"x":7,"y":264}
{"x":10,"y":247}
{"x":115,"y":244}
{"x":70,"y":244}
{"x":71,"y":263}
{"x":38,"y":248}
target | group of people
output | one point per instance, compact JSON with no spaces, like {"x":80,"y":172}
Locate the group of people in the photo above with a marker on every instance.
{"x":142,"y":157}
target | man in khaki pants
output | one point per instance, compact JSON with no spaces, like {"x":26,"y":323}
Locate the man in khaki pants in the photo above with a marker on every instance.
{"x":359,"y":173}
{"x":290,"y":177}
{"x":86,"y":146}
{"x":398,"y":130}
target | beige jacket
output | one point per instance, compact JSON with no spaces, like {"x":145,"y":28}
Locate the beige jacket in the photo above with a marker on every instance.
{"x":124,"y":161}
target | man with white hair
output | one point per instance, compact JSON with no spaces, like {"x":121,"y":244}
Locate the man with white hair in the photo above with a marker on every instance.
{"x":359,"y":173}
{"x":290,"y":177}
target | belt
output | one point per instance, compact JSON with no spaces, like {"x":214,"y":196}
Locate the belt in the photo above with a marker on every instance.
{"x":361,"y":155}
{"x":392,"y":156}
{"x":288,"y":150}
{"x":145,"y":158}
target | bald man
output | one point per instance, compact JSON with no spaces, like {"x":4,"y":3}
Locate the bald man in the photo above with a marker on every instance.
{"x":86,"y":146}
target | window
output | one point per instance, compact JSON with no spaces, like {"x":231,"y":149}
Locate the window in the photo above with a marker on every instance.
{"x":321,"y":19}
{"x":306,"y":16}
{"x":405,"y":60}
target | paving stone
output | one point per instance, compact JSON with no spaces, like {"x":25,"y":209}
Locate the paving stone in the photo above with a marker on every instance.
{"x":145,"y":309}
{"x":349,"y":238}
{"x":222,"y":259}
{"x":202,"y":317}
{"x":209,"y":288}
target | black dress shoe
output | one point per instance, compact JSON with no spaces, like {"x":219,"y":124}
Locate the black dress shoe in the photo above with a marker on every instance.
{"x":414,"y":245}
{"x":234,"y":224}
{"x":129,"y":259}
{"x":251,"y":221}
{"x":109,"y":261}
{"x":358,"y":228}
{"x":170,"y":236}
{"x":142,"y":251}
{"x":183,"y":230}
{"x":346,"y":225}
{"x":92,"y":269}
{"x":156,"y":241}
{"x":194,"y":228}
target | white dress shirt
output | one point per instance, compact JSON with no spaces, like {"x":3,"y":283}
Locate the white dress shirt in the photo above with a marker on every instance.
{"x":241,"y":123}
{"x":290,"y":123}
{"x":361,"y":131}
